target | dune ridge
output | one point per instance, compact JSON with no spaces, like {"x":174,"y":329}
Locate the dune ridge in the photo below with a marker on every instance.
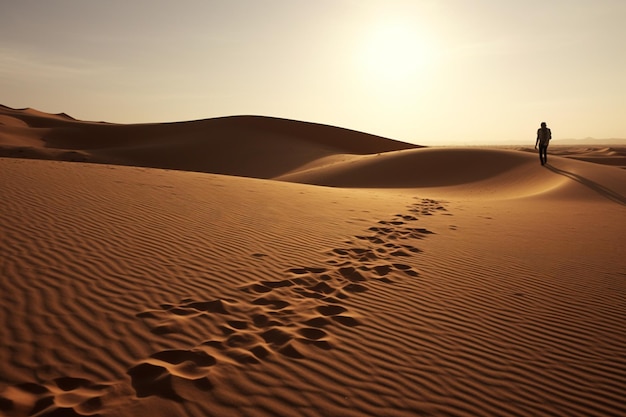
{"x":325,"y":279}
{"x":204,"y":145}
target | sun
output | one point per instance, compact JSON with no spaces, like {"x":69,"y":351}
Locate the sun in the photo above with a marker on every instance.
{"x":396,"y":52}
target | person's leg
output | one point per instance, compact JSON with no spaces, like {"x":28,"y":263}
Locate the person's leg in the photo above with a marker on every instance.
{"x":542,"y":152}
{"x":545,"y":154}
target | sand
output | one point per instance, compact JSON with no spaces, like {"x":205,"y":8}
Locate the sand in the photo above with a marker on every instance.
{"x":251,"y":266}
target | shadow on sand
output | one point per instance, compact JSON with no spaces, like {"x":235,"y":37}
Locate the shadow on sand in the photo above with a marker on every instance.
{"x":600,"y":189}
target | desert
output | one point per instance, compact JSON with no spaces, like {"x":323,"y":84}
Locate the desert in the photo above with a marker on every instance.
{"x":257,"y":266}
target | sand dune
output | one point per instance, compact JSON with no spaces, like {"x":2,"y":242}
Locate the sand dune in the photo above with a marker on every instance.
{"x":414,"y":281}
{"x":434,"y":167}
{"x":608,"y":155}
{"x":613,"y":155}
{"x":204,"y":146}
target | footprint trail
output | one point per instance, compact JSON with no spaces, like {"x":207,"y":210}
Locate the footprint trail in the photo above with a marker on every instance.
{"x":264,"y":321}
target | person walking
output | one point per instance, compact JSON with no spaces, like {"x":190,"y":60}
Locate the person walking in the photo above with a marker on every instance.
{"x":543,"y":140}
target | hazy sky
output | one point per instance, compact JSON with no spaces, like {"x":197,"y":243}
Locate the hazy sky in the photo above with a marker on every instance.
{"x":427,"y":72}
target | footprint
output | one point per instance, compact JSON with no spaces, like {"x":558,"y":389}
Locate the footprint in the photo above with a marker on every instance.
{"x":323,"y":288}
{"x":264,"y":321}
{"x":276,"y":336}
{"x":257,"y":288}
{"x":331,"y":310}
{"x":6,"y":404}
{"x":312,"y":333}
{"x":274,"y":302}
{"x":241,"y":340}
{"x":238,"y":324}
{"x":305,"y":281}
{"x":32,"y":388}
{"x":355,"y":288}
{"x":215,"y":306}
{"x":298,"y":271}
{"x":179,"y":311}
{"x":305,"y":270}
{"x":178,"y":356}
{"x":277,"y":284}
{"x":215,"y":344}
{"x":382,"y":270}
{"x":156,"y":376}
{"x":381,"y":230}
{"x":373,"y":239}
{"x":411,"y":272}
{"x":351,"y":274}
{"x":309,"y":294}
{"x":319,"y":322}
{"x":242,"y":356}
{"x":393,"y":222}
{"x":412,"y":249}
{"x":64,"y":396}
{"x":290,"y":351}
{"x":346,"y":320}
{"x":422,"y":231}
{"x":260,"y":351}
{"x":148,"y":379}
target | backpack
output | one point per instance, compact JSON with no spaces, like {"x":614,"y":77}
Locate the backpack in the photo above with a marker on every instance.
{"x":544,"y":135}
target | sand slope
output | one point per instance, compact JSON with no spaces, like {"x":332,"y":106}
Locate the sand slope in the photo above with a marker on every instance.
{"x":243,"y":145}
{"x":447,"y":282}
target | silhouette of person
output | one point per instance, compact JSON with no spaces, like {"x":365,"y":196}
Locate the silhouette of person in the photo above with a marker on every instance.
{"x":543,"y":140}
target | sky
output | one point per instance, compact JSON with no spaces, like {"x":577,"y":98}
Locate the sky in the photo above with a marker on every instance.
{"x":438,"y":72}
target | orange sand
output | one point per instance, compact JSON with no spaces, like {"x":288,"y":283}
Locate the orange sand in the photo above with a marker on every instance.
{"x":251,"y":266}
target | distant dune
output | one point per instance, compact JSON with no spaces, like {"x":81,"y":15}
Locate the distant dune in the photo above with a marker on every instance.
{"x":252,"y":266}
{"x":590,"y":142}
{"x":203,"y":145}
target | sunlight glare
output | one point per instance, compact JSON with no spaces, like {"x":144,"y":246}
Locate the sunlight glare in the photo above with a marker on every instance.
{"x":396,"y":53}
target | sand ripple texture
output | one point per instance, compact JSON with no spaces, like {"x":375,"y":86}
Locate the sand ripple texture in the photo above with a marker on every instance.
{"x":128,"y":291}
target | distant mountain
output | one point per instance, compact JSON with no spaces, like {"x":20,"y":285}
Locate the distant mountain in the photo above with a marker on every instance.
{"x":589,"y":141}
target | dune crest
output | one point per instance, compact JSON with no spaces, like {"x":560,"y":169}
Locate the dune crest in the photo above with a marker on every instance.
{"x":210,"y":145}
